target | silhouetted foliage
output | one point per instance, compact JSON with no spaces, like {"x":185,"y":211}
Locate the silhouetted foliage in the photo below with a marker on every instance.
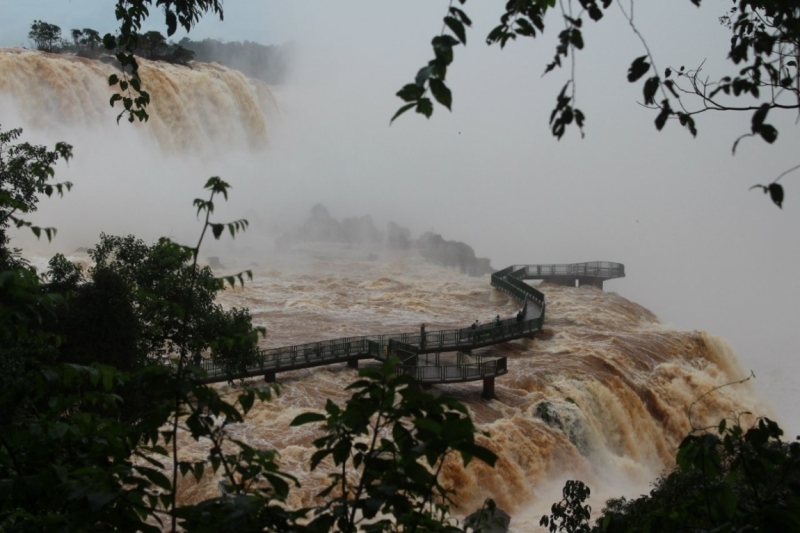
{"x":131,"y":312}
{"x":45,"y":36}
{"x":727,"y":479}
{"x":152,"y":45}
{"x":234,"y":344}
{"x":570,"y":515}
{"x":26,"y":172}
{"x":379,"y":483}
{"x":131,"y":14}
{"x":764,"y":49}
{"x":100,"y":324}
{"x":86,"y":42}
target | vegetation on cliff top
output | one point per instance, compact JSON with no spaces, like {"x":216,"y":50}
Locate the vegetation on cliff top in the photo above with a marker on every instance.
{"x":269,"y":63}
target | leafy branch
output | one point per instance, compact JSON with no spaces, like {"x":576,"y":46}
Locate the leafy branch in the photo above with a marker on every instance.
{"x":26,"y":172}
{"x":199,"y":422}
{"x":432,"y":77}
{"x":392,"y":440}
{"x":131,"y":14}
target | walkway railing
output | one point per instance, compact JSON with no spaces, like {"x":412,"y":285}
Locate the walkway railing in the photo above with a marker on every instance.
{"x":596,"y":269}
{"x":481,"y":367}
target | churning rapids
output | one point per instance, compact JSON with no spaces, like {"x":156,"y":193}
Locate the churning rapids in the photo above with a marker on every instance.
{"x":600,"y":395}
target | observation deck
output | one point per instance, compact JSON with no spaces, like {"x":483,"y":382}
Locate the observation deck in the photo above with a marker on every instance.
{"x":576,"y":274}
{"x":416,"y":350}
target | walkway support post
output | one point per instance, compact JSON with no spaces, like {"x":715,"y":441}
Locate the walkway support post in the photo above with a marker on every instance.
{"x":269,"y":376}
{"x":591,"y":282}
{"x":488,"y":388}
{"x":352,"y":363}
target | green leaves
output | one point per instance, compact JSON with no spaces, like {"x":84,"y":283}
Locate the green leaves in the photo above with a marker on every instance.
{"x":524,"y":18}
{"x":26,"y":171}
{"x":687,"y":120}
{"x":576,"y":39}
{"x":217,"y":186}
{"x":402,"y":110}
{"x":131,"y":16}
{"x":398,"y":477}
{"x":663,"y":115}
{"x":307,"y":418}
{"x":638,"y":68}
{"x":461,"y":16}
{"x":233,"y":227}
{"x":564,"y":114}
{"x":433,"y":75}
{"x":728,"y":479}
{"x":650,"y":88}
{"x":441,"y":93}
{"x":594,"y":10}
{"x":759,"y":127}
{"x":425,"y":107}
{"x":457,"y":27}
{"x":570,"y":514}
{"x":412,"y":91}
{"x":443,"y":50}
{"x":775,"y":191}
{"x":768,"y":133}
{"x":758,"y":118}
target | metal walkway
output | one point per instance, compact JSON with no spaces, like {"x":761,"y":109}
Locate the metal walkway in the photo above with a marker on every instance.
{"x":408,"y":347}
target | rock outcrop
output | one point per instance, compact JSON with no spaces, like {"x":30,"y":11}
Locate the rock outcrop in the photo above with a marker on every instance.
{"x":322,"y":227}
{"x":454,"y":254}
{"x":489,"y":519}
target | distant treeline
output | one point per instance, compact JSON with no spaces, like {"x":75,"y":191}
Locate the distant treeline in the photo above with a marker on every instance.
{"x":267,"y":63}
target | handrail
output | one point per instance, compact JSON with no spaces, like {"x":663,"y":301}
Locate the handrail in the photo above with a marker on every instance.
{"x":596,"y":269}
{"x":481,"y":367}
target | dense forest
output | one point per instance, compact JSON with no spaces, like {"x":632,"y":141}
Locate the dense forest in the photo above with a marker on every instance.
{"x":268,"y":63}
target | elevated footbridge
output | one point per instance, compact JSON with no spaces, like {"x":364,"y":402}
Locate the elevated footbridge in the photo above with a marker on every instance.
{"x":414,"y":350}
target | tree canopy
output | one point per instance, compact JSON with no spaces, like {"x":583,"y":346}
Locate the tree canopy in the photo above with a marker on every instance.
{"x":26,"y":171}
{"x":764,"y":53}
{"x":45,"y":36}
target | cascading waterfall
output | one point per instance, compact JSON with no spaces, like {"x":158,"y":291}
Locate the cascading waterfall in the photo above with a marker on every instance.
{"x":192,"y":107}
{"x":601,"y":395}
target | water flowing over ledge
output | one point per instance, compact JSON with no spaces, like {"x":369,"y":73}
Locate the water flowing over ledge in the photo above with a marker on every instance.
{"x":193,"y":108}
{"x":601,"y":395}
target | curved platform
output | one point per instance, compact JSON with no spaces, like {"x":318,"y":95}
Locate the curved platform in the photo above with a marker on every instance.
{"x":410,"y":348}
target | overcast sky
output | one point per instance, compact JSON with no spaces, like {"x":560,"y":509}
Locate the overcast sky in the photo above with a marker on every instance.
{"x":700,"y":250}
